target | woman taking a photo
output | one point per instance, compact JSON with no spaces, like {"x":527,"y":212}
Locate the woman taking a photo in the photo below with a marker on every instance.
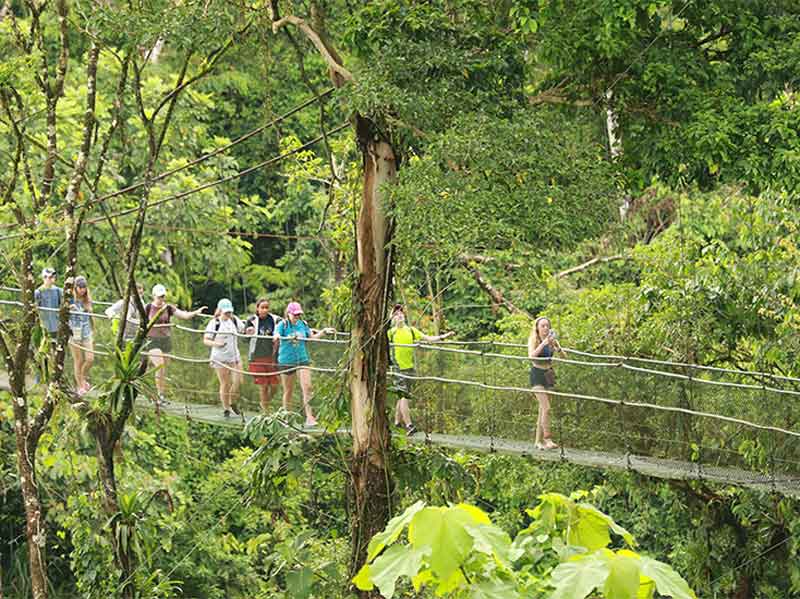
{"x":293,"y":357}
{"x":221,"y":337}
{"x":81,"y":343}
{"x":542,"y":346}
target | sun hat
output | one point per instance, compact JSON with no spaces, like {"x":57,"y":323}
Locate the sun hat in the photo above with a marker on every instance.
{"x":225,"y":305}
{"x":159,"y":290}
{"x":294,"y":308}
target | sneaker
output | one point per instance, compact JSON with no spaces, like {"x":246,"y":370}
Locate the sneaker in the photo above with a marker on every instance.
{"x":162,"y":401}
{"x":226,"y":413}
{"x":410,"y":429}
{"x":235,"y":409}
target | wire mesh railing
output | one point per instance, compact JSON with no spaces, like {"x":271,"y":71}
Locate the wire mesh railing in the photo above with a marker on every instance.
{"x":678,"y":416}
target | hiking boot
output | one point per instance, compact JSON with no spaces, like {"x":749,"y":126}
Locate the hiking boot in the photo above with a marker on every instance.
{"x":226,"y":413}
{"x":410,"y":429}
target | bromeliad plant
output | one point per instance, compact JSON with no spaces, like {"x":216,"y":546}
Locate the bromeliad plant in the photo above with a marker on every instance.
{"x":565,"y":553}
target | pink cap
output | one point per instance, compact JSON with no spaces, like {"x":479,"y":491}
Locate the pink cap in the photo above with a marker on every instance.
{"x":294,"y":308}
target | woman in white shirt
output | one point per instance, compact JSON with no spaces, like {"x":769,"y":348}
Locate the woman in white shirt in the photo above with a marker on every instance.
{"x":221,"y":336}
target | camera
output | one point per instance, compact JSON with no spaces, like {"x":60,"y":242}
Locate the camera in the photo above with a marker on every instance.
{"x":553,"y":334}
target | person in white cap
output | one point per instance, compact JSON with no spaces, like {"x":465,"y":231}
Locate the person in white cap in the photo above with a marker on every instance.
{"x":293,"y":357}
{"x":221,"y":336}
{"x":159,"y":339}
{"x":48,"y":298}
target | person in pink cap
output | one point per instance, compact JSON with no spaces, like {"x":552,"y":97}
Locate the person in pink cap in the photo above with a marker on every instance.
{"x":293,"y":358}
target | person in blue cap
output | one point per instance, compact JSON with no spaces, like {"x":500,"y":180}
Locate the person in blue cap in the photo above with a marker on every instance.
{"x":221,"y":336}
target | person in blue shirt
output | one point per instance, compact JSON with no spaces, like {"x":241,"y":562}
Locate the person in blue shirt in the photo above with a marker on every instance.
{"x":293,"y":358}
{"x":48,"y":298}
{"x":542,"y":346}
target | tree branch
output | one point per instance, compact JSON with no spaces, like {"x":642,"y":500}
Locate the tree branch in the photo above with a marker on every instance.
{"x":589,"y":263}
{"x":342,"y":74}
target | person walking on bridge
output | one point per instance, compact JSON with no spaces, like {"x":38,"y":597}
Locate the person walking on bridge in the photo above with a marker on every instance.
{"x":48,"y":298}
{"x":222,"y":337}
{"x":159,"y":339}
{"x":402,"y":337}
{"x":293,"y":357}
{"x":81,"y":344}
{"x":542,"y":346}
{"x":263,"y":351}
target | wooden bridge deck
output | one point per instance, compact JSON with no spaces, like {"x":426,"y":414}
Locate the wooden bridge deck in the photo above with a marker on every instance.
{"x":650,"y":466}
{"x":663,"y":468}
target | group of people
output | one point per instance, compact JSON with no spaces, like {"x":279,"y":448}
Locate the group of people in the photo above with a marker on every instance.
{"x":277,"y":349}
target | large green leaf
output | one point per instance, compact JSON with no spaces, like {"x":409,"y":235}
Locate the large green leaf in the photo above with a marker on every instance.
{"x":586,"y":508}
{"x":576,"y":579}
{"x":623,"y":576}
{"x":442,"y":530}
{"x":494,"y":589}
{"x":492,"y":541}
{"x":299,"y":583}
{"x":392,"y":530}
{"x":668,"y":581}
{"x":396,"y":561}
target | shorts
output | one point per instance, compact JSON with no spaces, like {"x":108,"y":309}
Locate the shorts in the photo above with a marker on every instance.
{"x":81,"y":333}
{"x":227,"y":365}
{"x":162,"y":343}
{"x":400,"y":384}
{"x":288,"y":369}
{"x":538,"y":379}
{"x":81,"y":342}
{"x":264,"y":365}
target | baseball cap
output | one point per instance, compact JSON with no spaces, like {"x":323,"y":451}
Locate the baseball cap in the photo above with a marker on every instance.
{"x":225,"y":305}
{"x":48,"y":272}
{"x":159,"y":290}
{"x":80,"y":282}
{"x":294,"y":308}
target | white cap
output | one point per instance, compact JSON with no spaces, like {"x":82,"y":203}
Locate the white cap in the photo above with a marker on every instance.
{"x":159,"y":290}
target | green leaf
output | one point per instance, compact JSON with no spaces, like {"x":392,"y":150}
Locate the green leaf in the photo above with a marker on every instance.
{"x":363,"y":580}
{"x":668,"y":581}
{"x":397,"y":561}
{"x":492,"y":589}
{"x":392,"y":530}
{"x":492,"y":541}
{"x":299,"y":583}
{"x":623,"y":577}
{"x":576,"y":579}
{"x":443,"y":531}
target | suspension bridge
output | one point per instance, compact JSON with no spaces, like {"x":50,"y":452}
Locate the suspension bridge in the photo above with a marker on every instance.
{"x":662,"y":419}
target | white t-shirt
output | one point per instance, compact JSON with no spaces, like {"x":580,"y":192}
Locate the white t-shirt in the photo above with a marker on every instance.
{"x":227,"y":333}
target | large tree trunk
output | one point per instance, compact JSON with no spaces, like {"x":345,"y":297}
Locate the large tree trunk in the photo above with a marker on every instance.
{"x":34,"y":525}
{"x":369,"y":349}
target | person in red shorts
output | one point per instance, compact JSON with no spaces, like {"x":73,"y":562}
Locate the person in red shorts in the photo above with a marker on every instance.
{"x":261,"y":326}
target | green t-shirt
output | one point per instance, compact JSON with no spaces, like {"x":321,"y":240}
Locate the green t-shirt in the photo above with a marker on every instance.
{"x":403,"y":357}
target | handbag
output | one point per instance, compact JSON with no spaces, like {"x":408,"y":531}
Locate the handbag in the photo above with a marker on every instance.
{"x":550,"y":377}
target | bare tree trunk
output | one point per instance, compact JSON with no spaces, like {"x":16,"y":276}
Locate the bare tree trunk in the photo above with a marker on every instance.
{"x":369,"y":350}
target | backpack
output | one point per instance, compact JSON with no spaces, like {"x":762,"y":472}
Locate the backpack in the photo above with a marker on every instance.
{"x":218,"y":322}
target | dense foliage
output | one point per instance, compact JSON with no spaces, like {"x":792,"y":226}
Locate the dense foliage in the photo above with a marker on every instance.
{"x":507,"y":205}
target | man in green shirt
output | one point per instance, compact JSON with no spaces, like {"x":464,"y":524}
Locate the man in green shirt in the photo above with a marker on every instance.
{"x":402,"y":338}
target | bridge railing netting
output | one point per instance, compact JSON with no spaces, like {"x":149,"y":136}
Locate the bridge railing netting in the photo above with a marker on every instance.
{"x":711,"y":418}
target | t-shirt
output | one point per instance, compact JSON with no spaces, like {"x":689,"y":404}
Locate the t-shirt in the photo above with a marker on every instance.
{"x":403,"y":357}
{"x":49,"y":297}
{"x":158,"y":329}
{"x":293,"y":351}
{"x":259,"y":347}
{"x":226,"y":332}
{"x":131,"y":323}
